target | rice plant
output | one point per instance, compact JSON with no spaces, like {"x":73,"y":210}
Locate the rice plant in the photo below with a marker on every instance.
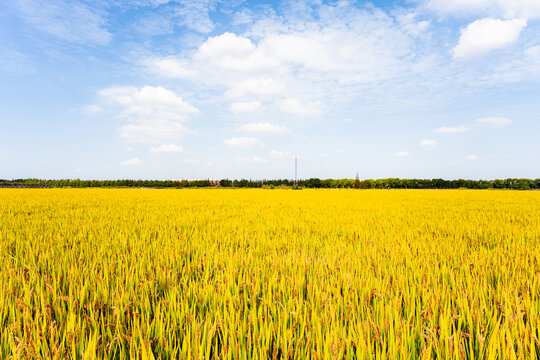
{"x":259,"y":274}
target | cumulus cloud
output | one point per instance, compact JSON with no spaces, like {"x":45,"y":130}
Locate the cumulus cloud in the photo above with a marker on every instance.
{"x":265,"y":128}
{"x":225,"y":45}
{"x":401,"y":154}
{"x":333,"y":53}
{"x":235,"y":55}
{"x":167,"y":148}
{"x":472,"y":157}
{"x":452,"y":129}
{"x":244,"y":142}
{"x":485,"y":35}
{"x":428,"y":143}
{"x":245,"y":107}
{"x":153,"y":114}
{"x":132,"y":162}
{"x":495,"y":122}
{"x":296,"y":107}
{"x":337,"y":51}
{"x":283,"y":57}
{"x":148,"y":99}
{"x":169,"y":67}
{"x":320,"y":47}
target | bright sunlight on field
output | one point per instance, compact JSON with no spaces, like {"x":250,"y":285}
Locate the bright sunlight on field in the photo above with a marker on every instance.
{"x":241,"y":274}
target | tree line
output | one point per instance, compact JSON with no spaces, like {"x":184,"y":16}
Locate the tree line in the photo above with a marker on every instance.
{"x":390,"y":183}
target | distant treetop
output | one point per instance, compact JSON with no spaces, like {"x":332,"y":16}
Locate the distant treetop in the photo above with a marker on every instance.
{"x":390,"y":183}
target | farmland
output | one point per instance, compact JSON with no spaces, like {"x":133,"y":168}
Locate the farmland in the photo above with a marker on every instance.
{"x":252,"y":273}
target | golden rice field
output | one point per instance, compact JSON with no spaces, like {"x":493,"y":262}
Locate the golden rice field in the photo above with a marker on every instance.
{"x":269,"y":274}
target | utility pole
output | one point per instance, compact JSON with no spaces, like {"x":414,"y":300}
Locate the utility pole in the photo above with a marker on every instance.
{"x":295,"y":171}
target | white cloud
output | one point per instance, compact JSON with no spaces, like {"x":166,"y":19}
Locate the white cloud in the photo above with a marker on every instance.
{"x":318,"y":47}
{"x":266,"y":128}
{"x":225,"y":45}
{"x":155,"y":24}
{"x":529,"y":9}
{"x":235,"y":54}
{"x":244,"y":142}
{"x":280,"y":154}
{"x":148,"y":99}
{"x":67,"y":20}
{"x":354,"y":50}
{"x":153,"y":114}
{"x":472,"y":157}
{"x":524,"y":67}
{"x":245,"y":107}
{"x":256,"y":86}
{"x":251,"y":160}
{"x":428,"y":143}
{"x":452,"y":129}
{"x":485,"y":35}
{"x":192,"y":14}
{"x":168,"y":148}
{"x":410,"y":25}
{"x":533,"y":52}
{"x":300,"y":57}
{"x":495,"y":122}
{"x":296,"y":107}
{"x":195,"y":15}
{"x":169,"y":67}
{"x":401,"y":154}
{"x":132,"y":162}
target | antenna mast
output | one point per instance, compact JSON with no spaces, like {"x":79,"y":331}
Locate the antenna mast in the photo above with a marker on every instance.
{"x":295,"y":171}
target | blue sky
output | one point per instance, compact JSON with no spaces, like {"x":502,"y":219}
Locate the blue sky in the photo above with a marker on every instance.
{"x":162,"y":89}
